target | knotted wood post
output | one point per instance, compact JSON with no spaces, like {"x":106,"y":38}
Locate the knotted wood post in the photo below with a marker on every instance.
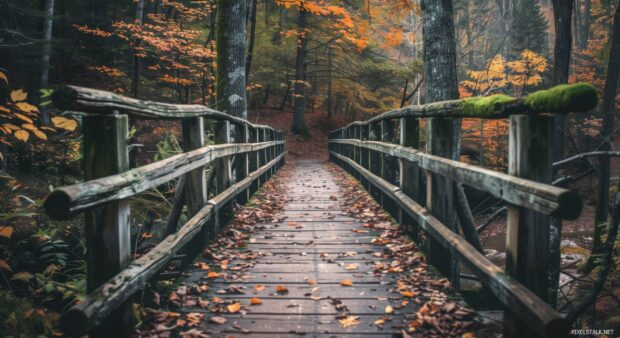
{"x":107,"y":228}
{"x":528,"y":232}
{"x":223,"y":172}
{"x":242,"y":135}
{"x":439,"y":195}
{"x":410,"y":172}
{"x":195,"y":189}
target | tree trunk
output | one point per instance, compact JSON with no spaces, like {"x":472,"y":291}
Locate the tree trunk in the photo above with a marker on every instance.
{"x":442,"y":133}
{"x":46,"y":51}
{"x":248,"y":61}
{"x":585,"y":29}
{"x":230,"y":41}
{"x":609,"y":96}
{"x":136,"y":59}
{"x":299,"y":98}
{"x":329,"y":84}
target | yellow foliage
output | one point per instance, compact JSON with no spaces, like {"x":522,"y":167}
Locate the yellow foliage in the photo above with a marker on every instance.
{"x":64,"y":123}
{"x":18,"y":95}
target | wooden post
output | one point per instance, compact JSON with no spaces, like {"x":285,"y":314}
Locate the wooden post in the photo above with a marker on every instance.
{"x":358,"y":153}
{"x":107,"y":228}
{"x":195,"y":186}
{"x":365,"y":153}
{"x":439,"y":195}
{"x":263,"y":156}
{"x":254,"y":160}
{"x":376,"y":163}
{"x":223,"y":174}
{"x":410,"y":172}
{"x":528,"y":232}
{"x":242,"y":135}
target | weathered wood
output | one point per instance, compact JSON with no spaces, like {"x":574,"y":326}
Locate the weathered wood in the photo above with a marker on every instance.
{"x":105,"y":299}
{"x":223,"y":170}
{"x":107,"y":233}
{"x":533,"y":311}
{"x":178,"y":201}
{"x":96,"y":101}
{"x":565,"y":99}
{"x":528,"y":232}
{"x":543,"y":198}
{"x":410,"y":179}
{"x":242,"y":135}
{"x":466,"y":220}
{"x":69,"y":200}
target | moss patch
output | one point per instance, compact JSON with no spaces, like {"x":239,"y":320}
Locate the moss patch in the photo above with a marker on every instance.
{"x":563,"y":99}
{"x":481,"y":106}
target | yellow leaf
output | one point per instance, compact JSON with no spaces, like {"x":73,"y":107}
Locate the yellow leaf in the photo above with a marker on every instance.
{"x":4,"y":109}
{"x":351,"y":267}
{"x":256,"y":301}
{"x":21,"y":135}
{"x":349,"y":321}
{"x":389,"y":310}
{"x":6,"y":231}
{"x":346,"y":282}
{"x":379,"y":322}
{"x":5,"y":266}
{"x":234,"y":307}
{"x":26,"y":107}
{"x":24,"y":118}
{"x":29,"y":126}
{"x":18,"y":95}
{"x":11,"y":126}
{"x":40,"y":134}
{"x":64,"y":123}
{"x":4,"y":77}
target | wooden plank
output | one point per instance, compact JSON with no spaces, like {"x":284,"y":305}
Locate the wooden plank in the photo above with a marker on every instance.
{"x":543,"y":198}
{"x":533,"y":311}
{"x":67,"y":201}
{"x":108,"y":240}
{"x":528,"y":232}
{"x":410,"y":174}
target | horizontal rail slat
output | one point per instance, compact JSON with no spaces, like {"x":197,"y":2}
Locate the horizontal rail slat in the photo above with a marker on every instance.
{"x":574,"y":98}
{"x":69,"y":200}
{"x":103,"y":102}
{"x":544,"y":198}
{"x":100,"y":303}
{"x":541,"y":317}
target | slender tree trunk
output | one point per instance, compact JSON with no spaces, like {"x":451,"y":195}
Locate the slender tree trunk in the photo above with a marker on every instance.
{"x":609,"y":97}
{"x":299,"y":98}
{"x":136,"y":59}
{"x":585,"y":29}
{"x":248,"y":61}
{"x":46,"y":52}
{"x":329,"y":84}
{"x":230,"y":41}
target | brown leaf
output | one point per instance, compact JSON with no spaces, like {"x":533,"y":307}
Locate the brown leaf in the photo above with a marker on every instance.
{"x":311,"y":281}
{"x":234,"y":307}
{"x":256,"y":301}
{"x":259,"y":287}
{"x":213,"y":274}
{"x":5,"y":266}
{"x":218,"y":320}
{"x":281,"y":289}
{"x":346,"y":282}
{"x":6,"y":231}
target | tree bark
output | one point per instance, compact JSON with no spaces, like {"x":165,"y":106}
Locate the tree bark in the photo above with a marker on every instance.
{"x":299,"y":98}
{"x":248,"y":60}
{"x":609,"y":96}
{"x":46,"y":51}
{"x":136,"y":60}
{"x":442,"y":134}
{"x":230,"y":42}
{"x":329,"y":84}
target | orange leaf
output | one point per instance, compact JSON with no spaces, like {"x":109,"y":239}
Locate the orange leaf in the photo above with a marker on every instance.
{"x":349,"y":321}
{"x":407,"y":294}
{"x":351,"y":267}
{"x":21,"y":135}
{"x":213,"y":274}
{"x":26,"y":107}
{"x":234,"y":307}
{"x":311,"y":282}
{"x":346,"y":282}
{"x":5,"y":266}
{"x":256,"y":301}
{"x":6,"y":231}
{"x":259,"y":287}
{"x":281,"y":289}
{"x":18,"y":95}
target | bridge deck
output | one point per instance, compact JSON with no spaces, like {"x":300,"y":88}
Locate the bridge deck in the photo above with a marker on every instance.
{"x":310,"y":247}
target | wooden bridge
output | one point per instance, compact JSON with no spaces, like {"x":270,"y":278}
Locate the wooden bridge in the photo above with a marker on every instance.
{"x":423,"y":191}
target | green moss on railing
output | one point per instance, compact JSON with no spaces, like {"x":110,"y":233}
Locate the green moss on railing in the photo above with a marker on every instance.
{"x":480,"y":106}
{"x":563,"y":99}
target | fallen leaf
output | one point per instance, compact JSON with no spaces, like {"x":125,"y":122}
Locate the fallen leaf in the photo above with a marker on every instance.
{"x":349,"y":321}
{"x":468,"y":335}
{"x":18,"y":95}
{"x":346,"y":282}
{"x":64,"y":123}
{"x":203,"y":266}
{"x":256,"y":301}
{"x":259,"y":287}
{"x":281,"y":289}
{"x":213,"y":274}
{"x":194,"y":333}
{"x":218,"y":320}
{"x":407,"y":294}
{"x":311,"y":282}
{"x":22,"y":276}
{"x":333,"y":198}
{"x":389,"y":310}
{"x":234,"y":307}
{"x":217,"y":299}
{"x":351,"y":267}
{"x":5,"y":266}
{"x":379,"y":322}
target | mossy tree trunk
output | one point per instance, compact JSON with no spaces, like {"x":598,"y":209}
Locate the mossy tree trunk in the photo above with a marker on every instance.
{"x":46,"y":52}
{"x":230,"y":41}
{"x":299,"y":97}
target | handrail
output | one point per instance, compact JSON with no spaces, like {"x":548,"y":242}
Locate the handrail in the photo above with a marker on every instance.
{"x":524,"y":303}
{"x":96,"y":101}
{"x":574,"y":98}
{"x":544,"y":198}
{"x":66,"y":201}
{"x":79,"y":319}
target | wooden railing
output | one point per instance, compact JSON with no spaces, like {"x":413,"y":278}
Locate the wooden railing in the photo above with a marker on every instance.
{"x":113,"y":278}
{"x":368,"y":150}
